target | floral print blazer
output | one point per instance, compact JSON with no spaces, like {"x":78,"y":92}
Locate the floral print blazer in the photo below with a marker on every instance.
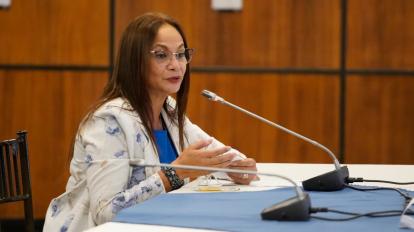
{"x":102,"y":182}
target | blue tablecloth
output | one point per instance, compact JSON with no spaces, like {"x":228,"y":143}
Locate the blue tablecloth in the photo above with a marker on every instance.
{"x":240,"y":211}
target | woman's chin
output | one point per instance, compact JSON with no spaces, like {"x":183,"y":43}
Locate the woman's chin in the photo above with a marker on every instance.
{"x":173,"y":89}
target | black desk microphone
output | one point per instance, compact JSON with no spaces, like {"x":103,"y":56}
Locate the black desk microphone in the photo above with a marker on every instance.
{"x":330,"y":181}
{"x":296,"y":208}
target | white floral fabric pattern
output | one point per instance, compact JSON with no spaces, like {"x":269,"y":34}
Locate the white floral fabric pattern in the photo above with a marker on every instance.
{"x":102,"y":182}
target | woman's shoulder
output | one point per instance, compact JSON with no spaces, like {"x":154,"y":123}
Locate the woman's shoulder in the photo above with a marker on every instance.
{"x":120,"y":104}
{"x":115,"y":115}
{"x":116,"y":111}
{"x":117,"y":107}
{"x":116,"y":104}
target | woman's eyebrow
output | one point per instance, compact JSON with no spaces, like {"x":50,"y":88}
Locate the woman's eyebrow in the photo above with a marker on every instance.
{"x":162,"y":46}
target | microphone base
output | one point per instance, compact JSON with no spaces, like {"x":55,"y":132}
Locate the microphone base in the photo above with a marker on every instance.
{"x":293,"y":209}
{"x":330,"y":181}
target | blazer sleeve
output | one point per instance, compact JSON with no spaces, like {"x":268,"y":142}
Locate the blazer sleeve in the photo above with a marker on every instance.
{"x":112,"y":183}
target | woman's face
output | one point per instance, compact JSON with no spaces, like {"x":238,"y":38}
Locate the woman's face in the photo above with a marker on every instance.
{"x":167,"y":65}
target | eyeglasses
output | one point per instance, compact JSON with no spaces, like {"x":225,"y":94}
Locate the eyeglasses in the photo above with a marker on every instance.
{"x":165,"y":56}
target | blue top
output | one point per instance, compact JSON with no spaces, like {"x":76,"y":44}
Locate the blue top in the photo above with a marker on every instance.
{"x":166,"y":150}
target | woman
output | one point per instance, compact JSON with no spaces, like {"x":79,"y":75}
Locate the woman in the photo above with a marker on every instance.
{"x":136,"y":119}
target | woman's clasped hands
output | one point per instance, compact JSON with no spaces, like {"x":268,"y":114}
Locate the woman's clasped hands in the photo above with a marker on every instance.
{"x":197,"y":154}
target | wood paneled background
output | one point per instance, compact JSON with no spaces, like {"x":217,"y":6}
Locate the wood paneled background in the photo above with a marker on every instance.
{"x":278,"y":58}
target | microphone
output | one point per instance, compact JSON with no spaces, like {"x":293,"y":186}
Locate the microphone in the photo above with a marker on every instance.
{"x":296,"y":208}
{"x":330,"y":181}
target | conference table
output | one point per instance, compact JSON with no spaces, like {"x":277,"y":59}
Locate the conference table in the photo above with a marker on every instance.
{"x":297,"y":173}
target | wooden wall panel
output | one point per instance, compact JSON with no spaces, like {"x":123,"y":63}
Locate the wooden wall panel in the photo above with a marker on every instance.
{"x":379,"y":120}
{"x":55,"y":32}
{"x":381,"y":34}
{"x":49,"y":105}
{"x":305,"y":104}
{"x":272,"y":33}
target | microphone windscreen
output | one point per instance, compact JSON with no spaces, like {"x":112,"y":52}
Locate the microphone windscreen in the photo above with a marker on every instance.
{"x":208,"y":94}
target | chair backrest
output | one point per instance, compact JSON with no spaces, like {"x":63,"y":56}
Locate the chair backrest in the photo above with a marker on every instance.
{"x":15,"y":175}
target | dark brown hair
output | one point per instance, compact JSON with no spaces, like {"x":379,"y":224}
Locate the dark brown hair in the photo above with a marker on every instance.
{"x":130,"y":76}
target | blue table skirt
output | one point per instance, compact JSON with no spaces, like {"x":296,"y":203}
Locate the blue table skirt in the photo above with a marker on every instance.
{"x":240,"y":211}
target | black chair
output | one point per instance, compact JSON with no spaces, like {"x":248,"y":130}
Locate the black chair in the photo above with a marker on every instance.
{"x":15,"y":175}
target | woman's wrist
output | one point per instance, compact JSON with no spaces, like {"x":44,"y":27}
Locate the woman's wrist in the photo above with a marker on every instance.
{"x":165,"y":182}
{"x":172,"y":178}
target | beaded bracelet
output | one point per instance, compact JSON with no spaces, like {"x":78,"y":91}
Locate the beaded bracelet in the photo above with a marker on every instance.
{"x":173,"y":178}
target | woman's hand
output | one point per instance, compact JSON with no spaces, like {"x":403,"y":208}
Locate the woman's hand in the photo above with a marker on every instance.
{"x":196,"y":154}
{"x":245,"y":164}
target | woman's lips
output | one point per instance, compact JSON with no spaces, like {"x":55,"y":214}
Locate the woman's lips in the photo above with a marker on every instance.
{"x":174,"y":79}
